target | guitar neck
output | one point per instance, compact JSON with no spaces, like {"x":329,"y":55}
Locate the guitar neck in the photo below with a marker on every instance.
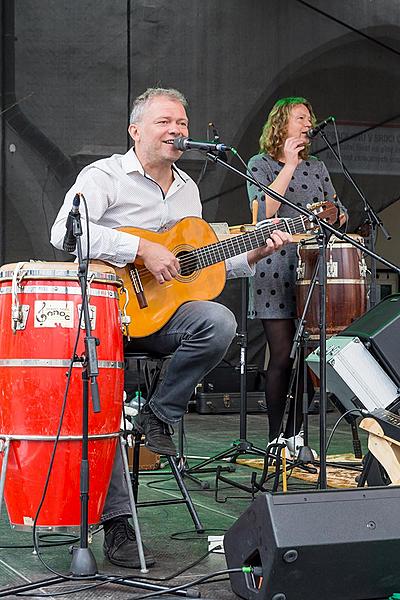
{"x":220,"y":251}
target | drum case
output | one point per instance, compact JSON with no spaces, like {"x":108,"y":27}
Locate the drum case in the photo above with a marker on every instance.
{"x":148,"y":460}
{"x":353,"y":375}
{"x":226,"y":378}
{"x":229,"y":402}
{"x":219,"y":392}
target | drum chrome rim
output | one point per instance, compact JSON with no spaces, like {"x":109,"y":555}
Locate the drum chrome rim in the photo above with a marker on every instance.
{"x":58,"y":289}
{"x":331,"y":280}
{"x":56,"y":362}
{"x":51,"y":438}
{"x":59,"y":274}
{"x":72,"y":529}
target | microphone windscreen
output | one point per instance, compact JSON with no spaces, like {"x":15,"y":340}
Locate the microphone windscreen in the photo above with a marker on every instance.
{"x":179,"y":143}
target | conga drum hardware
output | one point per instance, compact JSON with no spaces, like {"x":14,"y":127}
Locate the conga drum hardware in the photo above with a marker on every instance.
{"x":125,"y":318}
{"x":19,"y":313}
{"x":44,"y":302}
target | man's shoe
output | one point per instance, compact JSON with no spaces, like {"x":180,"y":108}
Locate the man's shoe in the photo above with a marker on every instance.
{"x":157,"y":433}
{"x":120,"y":546}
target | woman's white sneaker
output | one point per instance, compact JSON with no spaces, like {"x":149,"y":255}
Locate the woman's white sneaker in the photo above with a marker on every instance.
{"x":295,"y":443}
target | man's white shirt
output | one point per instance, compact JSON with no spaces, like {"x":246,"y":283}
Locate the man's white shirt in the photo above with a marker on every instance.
{"x":120,"y":194}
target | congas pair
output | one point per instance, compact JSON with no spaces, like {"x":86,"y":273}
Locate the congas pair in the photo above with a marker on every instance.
{"x":40,"y":304}
{"x":346,"y":284}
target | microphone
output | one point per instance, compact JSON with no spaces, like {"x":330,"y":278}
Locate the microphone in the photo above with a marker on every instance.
{"x":319,"y":127}
{"x":185,"y":143}
{"x":69,"y":243}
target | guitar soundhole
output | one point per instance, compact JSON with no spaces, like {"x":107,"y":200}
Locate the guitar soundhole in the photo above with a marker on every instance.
{"x":188,"y":263}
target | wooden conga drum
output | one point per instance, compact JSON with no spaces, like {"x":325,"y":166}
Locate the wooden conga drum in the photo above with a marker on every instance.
{"x":346,"y":285}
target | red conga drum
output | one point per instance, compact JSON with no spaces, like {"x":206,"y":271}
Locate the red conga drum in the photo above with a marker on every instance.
{"x":40,"y":304}
{"x":346,"y":285}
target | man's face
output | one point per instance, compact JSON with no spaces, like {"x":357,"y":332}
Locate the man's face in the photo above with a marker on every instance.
{"x":163,"y":120}
{"x":299,"y":122}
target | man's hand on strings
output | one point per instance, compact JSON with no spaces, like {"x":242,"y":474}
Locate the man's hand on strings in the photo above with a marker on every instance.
{"x":157,"y":259}
{"x":277,"y":240}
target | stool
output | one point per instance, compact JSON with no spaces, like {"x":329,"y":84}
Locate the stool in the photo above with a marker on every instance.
{"x":151,"y":381}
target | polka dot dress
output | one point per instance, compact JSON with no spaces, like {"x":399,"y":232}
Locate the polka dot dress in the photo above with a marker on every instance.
{"x":273,"y":288}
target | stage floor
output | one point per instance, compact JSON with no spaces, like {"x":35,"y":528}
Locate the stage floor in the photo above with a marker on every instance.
{"x":168,"y":530}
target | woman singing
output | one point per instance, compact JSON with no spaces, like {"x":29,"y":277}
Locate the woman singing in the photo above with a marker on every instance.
{"x":284,"y":165}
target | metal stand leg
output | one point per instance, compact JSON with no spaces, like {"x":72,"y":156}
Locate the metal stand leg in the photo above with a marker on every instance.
{"x":186,"y":496}
{"x":184,"y":467}
{"x":6,"y":450}
{"x":122,"y":449}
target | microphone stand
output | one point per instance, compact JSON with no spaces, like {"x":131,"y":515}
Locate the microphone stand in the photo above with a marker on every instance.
{"x":371,"y":218}
{"x":241,"y":446}
{"x":325,"y":229}
{"x":300,"y":346}
{"x":83,"y":564}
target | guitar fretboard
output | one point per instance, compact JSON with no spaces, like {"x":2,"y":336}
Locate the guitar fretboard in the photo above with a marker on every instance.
{"x":220,"y":251}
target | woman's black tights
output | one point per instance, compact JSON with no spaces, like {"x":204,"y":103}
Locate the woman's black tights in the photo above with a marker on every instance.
{"x":279,"y":334}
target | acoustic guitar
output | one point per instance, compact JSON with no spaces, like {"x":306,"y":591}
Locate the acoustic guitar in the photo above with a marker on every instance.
{"x":150,"y":305}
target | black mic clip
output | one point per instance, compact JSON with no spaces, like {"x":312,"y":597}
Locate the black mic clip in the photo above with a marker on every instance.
{"x":221,"y":154}
{"x":311,"y":133}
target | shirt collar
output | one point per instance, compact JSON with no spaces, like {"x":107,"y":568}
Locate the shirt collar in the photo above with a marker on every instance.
{"x":131,"y":163}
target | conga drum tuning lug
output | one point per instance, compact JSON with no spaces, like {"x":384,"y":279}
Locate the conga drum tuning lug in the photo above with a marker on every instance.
{"x":19,"y":317}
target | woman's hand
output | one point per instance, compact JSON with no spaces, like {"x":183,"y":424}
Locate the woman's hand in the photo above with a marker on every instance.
{"x":291,"y":149}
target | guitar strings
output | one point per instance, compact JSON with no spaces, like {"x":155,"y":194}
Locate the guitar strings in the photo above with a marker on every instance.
{"x":201,"y":257}
{"x":253,"y":239}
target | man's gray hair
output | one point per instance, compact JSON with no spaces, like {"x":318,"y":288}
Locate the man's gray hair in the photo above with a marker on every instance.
{"x":140,"y":103}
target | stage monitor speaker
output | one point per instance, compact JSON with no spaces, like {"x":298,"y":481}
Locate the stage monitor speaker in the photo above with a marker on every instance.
{"x":354,"y":375}
{"x":330,"y":545}
{"x":379,"y":329}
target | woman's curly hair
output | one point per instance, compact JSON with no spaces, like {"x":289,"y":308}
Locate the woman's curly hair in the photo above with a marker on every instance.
{"x":275,"y":129}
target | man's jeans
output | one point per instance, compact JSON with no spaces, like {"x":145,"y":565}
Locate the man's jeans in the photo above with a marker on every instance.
{"x":198,"y":336}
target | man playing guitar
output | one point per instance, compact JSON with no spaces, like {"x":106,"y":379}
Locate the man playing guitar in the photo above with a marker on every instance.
{"x":144,"y":189}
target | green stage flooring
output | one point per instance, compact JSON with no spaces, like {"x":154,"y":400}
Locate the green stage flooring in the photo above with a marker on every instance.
{"x":168,"y":530}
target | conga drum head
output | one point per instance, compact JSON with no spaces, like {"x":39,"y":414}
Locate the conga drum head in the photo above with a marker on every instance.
{"x":57,"y":270}
{"x":40,"y":308}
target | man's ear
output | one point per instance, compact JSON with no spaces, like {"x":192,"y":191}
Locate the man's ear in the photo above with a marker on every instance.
{"x":133,"y":131}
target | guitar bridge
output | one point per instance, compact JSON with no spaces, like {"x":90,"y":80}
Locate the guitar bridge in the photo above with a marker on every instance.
{"x":138,"y":287}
